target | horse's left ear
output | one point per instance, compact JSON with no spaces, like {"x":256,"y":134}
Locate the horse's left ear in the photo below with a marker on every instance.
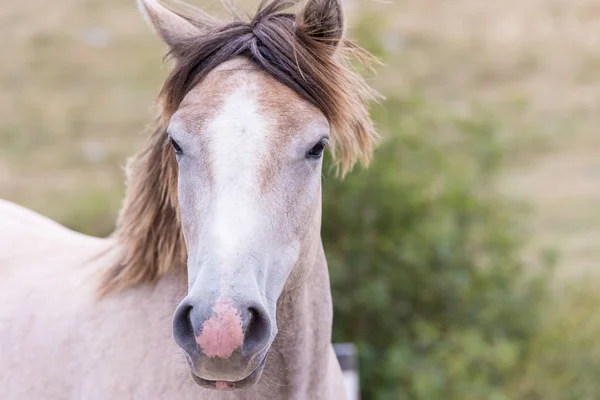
{"x":170,"y":26}
{"x":323,"y":20}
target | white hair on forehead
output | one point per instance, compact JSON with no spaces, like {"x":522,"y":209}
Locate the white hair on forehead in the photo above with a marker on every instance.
{"x":237,"y":135}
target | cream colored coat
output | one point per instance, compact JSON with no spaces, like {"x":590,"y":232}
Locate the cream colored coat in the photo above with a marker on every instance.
{"x":59,"y":341}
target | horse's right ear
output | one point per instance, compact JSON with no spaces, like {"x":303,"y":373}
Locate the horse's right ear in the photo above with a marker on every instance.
{"x":323,"y":21}
{"x":171,"y":26}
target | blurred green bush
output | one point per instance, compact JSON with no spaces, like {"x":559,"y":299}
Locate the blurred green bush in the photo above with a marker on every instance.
{"x":565,"y":361}
{"x":425,"y":261}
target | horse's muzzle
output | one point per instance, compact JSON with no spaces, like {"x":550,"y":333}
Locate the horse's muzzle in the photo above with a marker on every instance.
{"x":226,"y":343}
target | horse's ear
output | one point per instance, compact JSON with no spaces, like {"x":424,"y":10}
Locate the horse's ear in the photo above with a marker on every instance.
{"x":172,"y":27}
{"x":323,"y":20}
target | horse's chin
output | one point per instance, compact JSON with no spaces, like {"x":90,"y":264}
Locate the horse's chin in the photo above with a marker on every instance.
{"x":242,"y":384}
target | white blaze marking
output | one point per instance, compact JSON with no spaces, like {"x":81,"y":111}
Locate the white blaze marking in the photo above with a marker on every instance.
{"x":238,"y":139}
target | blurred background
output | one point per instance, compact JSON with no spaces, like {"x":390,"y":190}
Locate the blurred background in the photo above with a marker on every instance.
{"x":464,"y":260}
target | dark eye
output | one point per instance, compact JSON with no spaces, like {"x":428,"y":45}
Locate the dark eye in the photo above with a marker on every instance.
{"x":317,"y":150}
{"x":175,"y":146}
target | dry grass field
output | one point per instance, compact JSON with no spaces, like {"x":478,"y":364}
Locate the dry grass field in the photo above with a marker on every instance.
{"x":537,"y":64}
{"x":78,"y":79}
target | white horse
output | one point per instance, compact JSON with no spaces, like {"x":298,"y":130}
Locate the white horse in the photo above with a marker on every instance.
{"x":215,"y":284}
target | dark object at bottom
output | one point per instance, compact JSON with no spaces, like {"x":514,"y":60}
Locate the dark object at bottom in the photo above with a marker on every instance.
{"x":348,"y":359}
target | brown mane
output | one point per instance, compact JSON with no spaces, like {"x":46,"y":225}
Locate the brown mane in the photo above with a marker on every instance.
{"x":311,"y":58}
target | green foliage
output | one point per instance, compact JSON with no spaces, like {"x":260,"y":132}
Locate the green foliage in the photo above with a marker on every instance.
{"x":425,"y":261}
{"x":565,"y":360}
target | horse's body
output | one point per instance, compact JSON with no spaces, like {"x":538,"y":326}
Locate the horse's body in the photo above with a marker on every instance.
{"x":217,"y":250}
{"x":50,"y":316}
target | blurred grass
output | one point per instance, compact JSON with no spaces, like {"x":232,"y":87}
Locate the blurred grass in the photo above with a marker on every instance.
{"x":78,"y":77}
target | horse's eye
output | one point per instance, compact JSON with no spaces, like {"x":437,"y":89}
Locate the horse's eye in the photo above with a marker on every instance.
{"x":317,"y":150}
{"x":175,"y":146}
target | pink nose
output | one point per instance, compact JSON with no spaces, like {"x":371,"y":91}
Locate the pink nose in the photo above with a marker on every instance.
{"x":212,"y":333}
{"x":222,"y":333}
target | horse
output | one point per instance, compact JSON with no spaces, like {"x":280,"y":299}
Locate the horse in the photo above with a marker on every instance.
{"x":214,"y":284}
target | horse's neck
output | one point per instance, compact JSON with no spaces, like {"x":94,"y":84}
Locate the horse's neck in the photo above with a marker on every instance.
{"x":299,"y":358}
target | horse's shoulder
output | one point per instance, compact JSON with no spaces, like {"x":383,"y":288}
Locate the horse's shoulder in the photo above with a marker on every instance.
{"x":17,"y":221}
{"x":23,"y":230}
{"x":14,"y":216}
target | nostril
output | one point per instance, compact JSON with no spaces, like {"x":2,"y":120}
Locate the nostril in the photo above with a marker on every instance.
{"x":183,"y":330}
{"x":256,"y":334}
{"x":182,"y":321}
{"x":252,"y":315}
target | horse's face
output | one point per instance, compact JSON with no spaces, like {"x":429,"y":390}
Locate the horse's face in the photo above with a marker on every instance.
{"x":249,"y":152}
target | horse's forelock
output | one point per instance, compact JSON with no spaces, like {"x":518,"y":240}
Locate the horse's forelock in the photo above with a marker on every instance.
{"x":297,"y":54}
